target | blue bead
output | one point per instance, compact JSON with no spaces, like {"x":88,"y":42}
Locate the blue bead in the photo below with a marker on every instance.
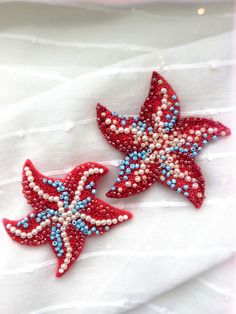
{"x":168,"y":182}
{"x":32,"y":215}
{"x":186,"y":194}
{"x":107,"y":228}
{"x":185,"y":187}
{"x":179,"y":190}
{"x":45,"y":180}
{"x":172,"y":186}
{"x":49,"y":182}
{"x":174,"y":97}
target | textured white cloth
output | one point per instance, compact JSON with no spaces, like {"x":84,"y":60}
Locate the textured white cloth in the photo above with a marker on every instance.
{"x":52,"y":76}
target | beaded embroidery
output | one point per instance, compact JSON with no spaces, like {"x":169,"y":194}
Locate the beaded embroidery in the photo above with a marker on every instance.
{"x":65,"y":212}
{"x":159,"y":146}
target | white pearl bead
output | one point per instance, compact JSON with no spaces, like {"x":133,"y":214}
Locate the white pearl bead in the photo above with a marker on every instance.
{"x":113,"y":127}
{"x":120,"y":218}
{"x":36,"y":188}
{"x":12,"y":229}
{"x":18,"y":232}
{"x":45,"y":196}
{"x":30,"y":179}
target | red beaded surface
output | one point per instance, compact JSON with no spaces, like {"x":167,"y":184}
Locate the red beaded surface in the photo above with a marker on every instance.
{"x":65,"y":212}
{"x":159,"y":145}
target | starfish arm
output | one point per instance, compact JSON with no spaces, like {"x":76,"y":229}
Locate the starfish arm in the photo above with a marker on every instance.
{"x":103,"y":217}
{"x":30,"y":230}
{"x":196,"y":132}
{"x":161,"y":108}
{"x":118,"y":130}
{"x":183,"y":175}
{"x":72,"y":243}
{"x":80,"y":183}
{"x":40,"y":191}
{"x":136,"y":175}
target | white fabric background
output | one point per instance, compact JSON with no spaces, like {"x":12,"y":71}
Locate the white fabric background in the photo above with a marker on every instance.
{"x":56,"y":62}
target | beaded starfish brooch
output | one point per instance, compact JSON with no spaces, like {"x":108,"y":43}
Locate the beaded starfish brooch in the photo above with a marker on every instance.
{"x":159,"y":146}
{"x":65,"y":211}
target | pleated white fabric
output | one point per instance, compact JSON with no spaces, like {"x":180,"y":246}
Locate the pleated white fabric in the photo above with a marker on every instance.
{"x":55,"y":65}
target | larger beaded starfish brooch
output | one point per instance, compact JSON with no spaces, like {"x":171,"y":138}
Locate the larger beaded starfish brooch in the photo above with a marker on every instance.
{"x":159,"y":146}
{"x":65,"y":212}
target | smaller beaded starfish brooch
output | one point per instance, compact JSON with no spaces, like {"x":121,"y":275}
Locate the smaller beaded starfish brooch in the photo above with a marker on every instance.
{"x":65,"y":212}
{"x":159,"y":146}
